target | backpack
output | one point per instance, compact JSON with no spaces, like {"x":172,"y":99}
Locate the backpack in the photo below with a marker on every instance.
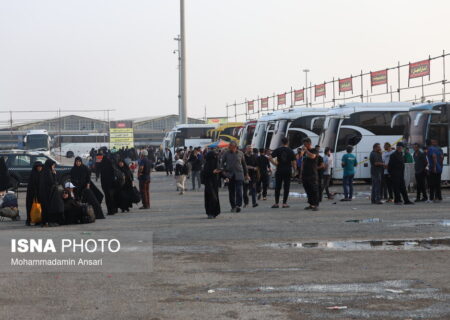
{"x":87,"y":213}
{"x":119,"y":177}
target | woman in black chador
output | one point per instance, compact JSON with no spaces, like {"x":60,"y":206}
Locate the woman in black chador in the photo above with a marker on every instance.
{"x":80,"y":176}
{"x":108,"y":183}
{"x":210,"y":177}
{"x":33,"y":187}
{"x":126,"y":191}
{"x":4,"y":176}
{"x":49,"y":197}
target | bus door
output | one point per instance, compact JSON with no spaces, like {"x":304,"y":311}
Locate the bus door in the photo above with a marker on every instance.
{"x":350,"y":136}
{"x":439,"y":130}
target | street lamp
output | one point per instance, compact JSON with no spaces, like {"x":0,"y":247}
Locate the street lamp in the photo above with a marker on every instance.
{"x":306,"y":85}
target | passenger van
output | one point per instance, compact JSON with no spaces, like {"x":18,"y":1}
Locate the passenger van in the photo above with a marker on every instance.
{"x":361,"y":125}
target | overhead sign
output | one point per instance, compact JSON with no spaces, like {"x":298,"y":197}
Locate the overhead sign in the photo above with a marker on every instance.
{"x":121,"y":134}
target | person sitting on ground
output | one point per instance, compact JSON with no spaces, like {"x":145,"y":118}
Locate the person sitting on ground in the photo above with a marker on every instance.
{"x":72,"y":208}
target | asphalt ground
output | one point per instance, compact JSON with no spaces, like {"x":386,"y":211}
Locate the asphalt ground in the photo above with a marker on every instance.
{"x":261,"y":263}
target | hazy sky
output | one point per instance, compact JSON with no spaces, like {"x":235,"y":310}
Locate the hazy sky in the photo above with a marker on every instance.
{"x":119,"y":54}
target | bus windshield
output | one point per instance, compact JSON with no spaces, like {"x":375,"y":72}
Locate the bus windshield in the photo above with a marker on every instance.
{"x":418,"y":127}
{"x":328,"y":137}
{"x":260,"y":135}
{"x":37,"y":141}
{"x":280,"y":133}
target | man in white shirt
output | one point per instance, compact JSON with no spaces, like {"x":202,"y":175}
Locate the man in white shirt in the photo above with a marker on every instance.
{"x":328,"y":172}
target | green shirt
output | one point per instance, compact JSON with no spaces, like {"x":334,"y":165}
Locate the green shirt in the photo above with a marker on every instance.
{"x":349,"y":163}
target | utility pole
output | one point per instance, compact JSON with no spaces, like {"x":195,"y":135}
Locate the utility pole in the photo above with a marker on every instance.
{"x":178,"y":40}
{"x":306,"y":85}
{"x":183,"y":111}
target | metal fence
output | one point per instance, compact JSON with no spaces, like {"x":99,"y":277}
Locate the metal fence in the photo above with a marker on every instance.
{"x":420,"y":81}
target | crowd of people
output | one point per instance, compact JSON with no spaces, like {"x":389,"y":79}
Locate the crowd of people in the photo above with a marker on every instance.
{"x":78,"y":200}
{"x":246,"y":173}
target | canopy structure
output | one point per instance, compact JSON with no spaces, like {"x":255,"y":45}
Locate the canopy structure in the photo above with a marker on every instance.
{"x":219,"y":144}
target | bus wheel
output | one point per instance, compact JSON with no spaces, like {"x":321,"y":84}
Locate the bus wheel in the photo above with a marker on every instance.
{"x":69,"y":154}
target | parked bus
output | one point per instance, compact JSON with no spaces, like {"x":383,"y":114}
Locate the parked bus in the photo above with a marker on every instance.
{"x":297,"y":124}
{"x":182,"y":135}
{"x":37,"y":140}
{"x":227,"y":132}
{"x":246,"y":134}
{"x":78,"y":144}
{"x":264,"y":130}
{"x":431,"y":121}
{"x":361,"y":125}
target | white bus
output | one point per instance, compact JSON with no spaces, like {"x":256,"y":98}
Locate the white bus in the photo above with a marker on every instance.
{"x":188,"y":135}
{"x":37,"y":140}
{"x":78,"y":144}
{"x":264,"y":130}
{"x":361,"y":125}
{"x":246,"y":134}
{"x":429,"y":121}
{"x":297,"y":124}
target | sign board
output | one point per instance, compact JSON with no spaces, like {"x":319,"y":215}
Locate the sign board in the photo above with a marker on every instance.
{"x":121,"y":134}
{"x":218,"y":120}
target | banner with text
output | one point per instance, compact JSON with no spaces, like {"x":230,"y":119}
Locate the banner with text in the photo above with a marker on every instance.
{"x":378,"y":77}
{"x":264,"y":103}
{"x":282,"y":99}
{"x":319,"y":90}
{"x":299,"y":95}
{"x":419,"y":69}
{"x":345,"y":85}
{"x":250,"y":106}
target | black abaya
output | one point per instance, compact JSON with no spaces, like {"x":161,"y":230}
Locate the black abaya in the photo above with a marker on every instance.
{"x":4,"y":175}
{"x":33,"y":187}
{"x":126,"y":191}
{"x":108,"y":184}
{"x":80,"y":176}
{"x":49,"y":196}
{"x":211,"y":182}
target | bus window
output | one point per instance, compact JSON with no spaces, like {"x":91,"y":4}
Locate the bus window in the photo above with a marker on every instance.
{"x":377,"y":122}
{"x":347,"y":137}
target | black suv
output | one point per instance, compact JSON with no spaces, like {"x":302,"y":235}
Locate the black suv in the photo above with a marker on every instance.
{"x":21,"y":162}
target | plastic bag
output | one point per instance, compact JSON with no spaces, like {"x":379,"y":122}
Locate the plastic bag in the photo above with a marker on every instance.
{"x":36,"y":212}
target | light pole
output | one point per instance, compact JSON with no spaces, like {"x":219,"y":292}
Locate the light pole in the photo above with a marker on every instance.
{"x":178,"y":40}
{"x":183,"y":111}
{"x":306,"y":85}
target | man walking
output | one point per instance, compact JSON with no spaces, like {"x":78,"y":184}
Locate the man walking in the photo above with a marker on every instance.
{"x":196,"y":168}
{"x":251,"y":160}
{"x":144,"y":179}
{"x":328,"y":171}
{"x":435,"y":163}
{"x":396,"y":169}
{"x":420,"y":170}
{"x":285,"y":160}
{"x":264,"y":172}
{"x":376,"y":173}
{"x":235,"y":170}
{"x":320,"y":171}
{"x":310,"y":175}
{"x":349,"y":164}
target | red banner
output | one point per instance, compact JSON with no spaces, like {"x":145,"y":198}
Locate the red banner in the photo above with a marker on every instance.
{"x":281,"y":99}
{"x":419,"y":69}
{"x":264,"y":103}
{"x":345,"y":85}
{"x":299,"y":95}
{"x":319,"y":90}
{"x":379,"y":77}
{"x":250,"y":106}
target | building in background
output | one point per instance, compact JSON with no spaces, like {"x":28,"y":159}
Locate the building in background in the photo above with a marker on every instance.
{"x":146,"y":131}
